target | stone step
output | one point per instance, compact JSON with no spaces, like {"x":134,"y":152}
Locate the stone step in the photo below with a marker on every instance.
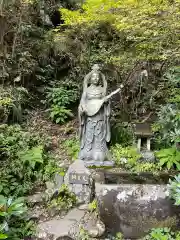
{"x":59,"y":228}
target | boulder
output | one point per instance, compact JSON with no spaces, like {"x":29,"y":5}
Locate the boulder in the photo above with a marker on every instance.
{"x":134,"y":209}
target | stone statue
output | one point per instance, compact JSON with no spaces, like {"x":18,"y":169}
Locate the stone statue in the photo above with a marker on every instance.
{"x":94,"y":114}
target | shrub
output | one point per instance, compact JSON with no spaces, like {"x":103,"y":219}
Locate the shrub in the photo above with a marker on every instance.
{"x":169,"y":158}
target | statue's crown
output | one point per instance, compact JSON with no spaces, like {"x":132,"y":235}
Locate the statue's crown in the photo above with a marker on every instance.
{"x":95,"y":67}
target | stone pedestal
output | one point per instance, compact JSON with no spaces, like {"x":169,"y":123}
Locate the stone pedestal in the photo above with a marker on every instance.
{"x":79,"y":180}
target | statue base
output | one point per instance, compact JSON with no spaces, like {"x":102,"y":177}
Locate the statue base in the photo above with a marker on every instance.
{"x":99,"y":164}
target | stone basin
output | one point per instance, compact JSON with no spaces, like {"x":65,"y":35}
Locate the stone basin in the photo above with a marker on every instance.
{"x":134,"y":209}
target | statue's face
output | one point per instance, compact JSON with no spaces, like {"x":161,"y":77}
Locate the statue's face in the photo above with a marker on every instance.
{"x":95,"y":78}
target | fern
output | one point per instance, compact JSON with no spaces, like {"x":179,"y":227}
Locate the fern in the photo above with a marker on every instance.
{"x":32,"y":156}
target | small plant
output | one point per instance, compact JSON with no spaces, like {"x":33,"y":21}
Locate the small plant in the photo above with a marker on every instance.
{"x":174,"y":189}
{"x":119,"y":236}
{"x":169,"y":158}
{"x":125,"y":156}
{"x":72,"y":147}
{"x":64,"y":200}
{"x":59,"y":100}
{"x":162,"y":234}
{"x":60,"y":114}
{"x":83,"y":234}
{"x":93,"y":206}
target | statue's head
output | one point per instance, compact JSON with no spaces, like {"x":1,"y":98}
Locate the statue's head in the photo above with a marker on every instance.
{"x":95,"y":78}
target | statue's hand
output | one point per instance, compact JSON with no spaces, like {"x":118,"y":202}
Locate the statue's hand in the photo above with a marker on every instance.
{"x":106,"y":99}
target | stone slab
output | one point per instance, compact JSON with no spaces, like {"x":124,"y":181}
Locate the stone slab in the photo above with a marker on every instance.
{"x":79,"y":180}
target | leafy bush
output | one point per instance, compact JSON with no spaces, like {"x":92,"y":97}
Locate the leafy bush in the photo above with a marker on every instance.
{"x":59,"y":100}
{"x":174,"y":189}
{"x":169,"y":158}
{"x":13,"y":213}
{"x":162,"y":234}
{"x":24,"y":161}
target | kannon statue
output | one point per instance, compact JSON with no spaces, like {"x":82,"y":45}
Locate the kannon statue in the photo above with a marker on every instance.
{"x":94,"y":113}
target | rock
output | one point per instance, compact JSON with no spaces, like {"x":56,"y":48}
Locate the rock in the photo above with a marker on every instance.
{"x":59,"y":180}
{"x":148,"y":156}
{"x":79,"y":181}
{"x":60,"y":228}
{"x":83,"y":207}
{"x":37,"y":198}
{"x":134,"y":209}
{"x":98,"y":177}
{"x":93,"y":225}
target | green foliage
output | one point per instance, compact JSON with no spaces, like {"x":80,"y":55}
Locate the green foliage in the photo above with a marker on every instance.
{"x":122,"y":134}
{"x":162,"y":234}
{"x":141,"y":31}
{"x":72,"y":148}
{"x":125,"y":156}
{"x":119,"y":236}
{"x":12,"y":100}
{"x":169,"y":158}
{"x":60,"y":114}
{"x":24,"y":161}
{"x":167,"y":128}
{"x":174,"y":189}
{"x":13,"y":215}
{"x":64,"y":201}
{"x":129,"y":158}
{"x":59,"y":99}
{"x":146,"y":167}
